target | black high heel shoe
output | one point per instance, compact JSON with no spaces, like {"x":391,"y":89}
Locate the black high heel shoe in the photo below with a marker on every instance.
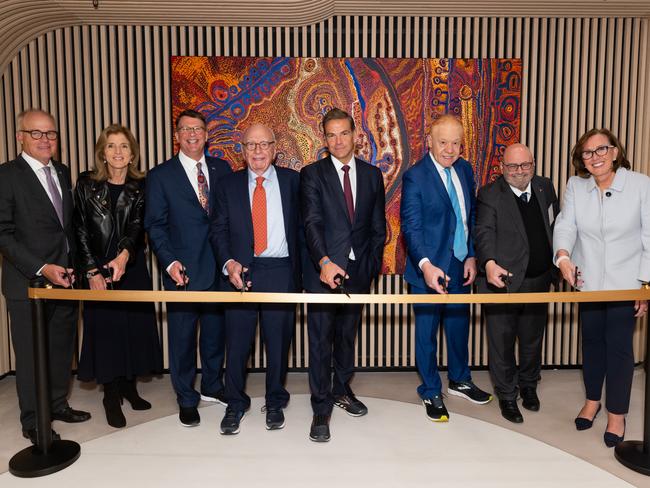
{"x":613,"y":440}
{"x":113,"y":405}
{"x":583,"y":423}
{"x":128,"y":391}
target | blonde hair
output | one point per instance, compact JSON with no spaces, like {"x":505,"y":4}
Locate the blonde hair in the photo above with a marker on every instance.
{"x":100,"y":172}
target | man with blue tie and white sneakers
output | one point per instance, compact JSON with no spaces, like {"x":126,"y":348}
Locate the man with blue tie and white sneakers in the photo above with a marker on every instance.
{"x":437,"y":214}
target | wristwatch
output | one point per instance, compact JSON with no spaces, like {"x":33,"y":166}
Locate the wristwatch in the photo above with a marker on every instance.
{"x":90,"y":274}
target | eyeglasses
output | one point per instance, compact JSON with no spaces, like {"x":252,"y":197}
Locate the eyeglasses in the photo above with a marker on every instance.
{"x":50,"y":135}
{"x":522,"y":166}
{"x":599,"y":151}
{"x":193,"y":130}
{"x":251,"y":146}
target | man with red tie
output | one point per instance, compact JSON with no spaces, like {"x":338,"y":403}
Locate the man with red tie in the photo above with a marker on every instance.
{"x":255,"y":233}
{"x":345,"y":228}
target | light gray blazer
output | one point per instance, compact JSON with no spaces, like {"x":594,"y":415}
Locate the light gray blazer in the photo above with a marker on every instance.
{"x":608,"y":237}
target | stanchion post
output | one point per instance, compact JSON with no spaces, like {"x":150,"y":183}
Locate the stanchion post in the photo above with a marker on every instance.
{"x":47,"y":456}
{"x":636,"y":454}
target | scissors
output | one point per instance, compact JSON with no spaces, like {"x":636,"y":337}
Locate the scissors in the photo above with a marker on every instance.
{"x":576,"y":276}
{"x":339,"y":279}
{"x":245,"y":279}
{"x":182,"y":286}
{"x":507,"y":280}
{"x":442,"y":281}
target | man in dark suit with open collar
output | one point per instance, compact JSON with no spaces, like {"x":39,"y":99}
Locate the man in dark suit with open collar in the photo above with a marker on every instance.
{"x":255,"y":232}
{"x":37,"y":239}
{"x":179,"y":199}
{"x":345,"y":228}
{"x":514,"y":243}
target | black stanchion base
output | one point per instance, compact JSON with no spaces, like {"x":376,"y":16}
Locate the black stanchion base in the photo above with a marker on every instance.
{"x":32,"y":463}
{"x":630,"y":454}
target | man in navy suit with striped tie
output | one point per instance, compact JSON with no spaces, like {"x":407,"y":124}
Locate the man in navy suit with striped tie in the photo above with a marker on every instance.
{"x":179,"y":198}
{"x":437,"y":219}
{"x":255,"y":232}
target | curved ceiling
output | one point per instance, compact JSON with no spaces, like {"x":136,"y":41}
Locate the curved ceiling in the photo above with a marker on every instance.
{"x":23,"y":20}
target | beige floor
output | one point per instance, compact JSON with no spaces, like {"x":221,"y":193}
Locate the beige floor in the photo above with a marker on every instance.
{"x":560,"y":391}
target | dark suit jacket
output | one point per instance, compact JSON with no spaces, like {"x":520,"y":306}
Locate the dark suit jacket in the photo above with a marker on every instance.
{"x":328,"y":231}
{"x":30,"y":232}
{"x":427,"y":218}
{"x":231,"y":223}
{"x":500,"y":234}
{"x":178,"y":226}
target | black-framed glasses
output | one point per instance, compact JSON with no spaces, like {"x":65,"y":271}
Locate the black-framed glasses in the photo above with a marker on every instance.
{"x":525,"y":166}
{"x":50,"y":135}
{"x":599,"y":151}
{"x":339,"y":279}
{"x":192,"y":130}
{"x":252,"y":146}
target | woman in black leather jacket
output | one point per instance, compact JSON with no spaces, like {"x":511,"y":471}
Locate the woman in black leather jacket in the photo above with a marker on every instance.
{"x":120,"y":340}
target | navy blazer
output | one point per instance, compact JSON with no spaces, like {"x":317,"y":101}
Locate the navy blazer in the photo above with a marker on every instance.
{"x":428,"y":221}
{"x":231,"y":223}
{"x":328,"y":230}
{"x":31,"y":234}
{"x":177,"y":225}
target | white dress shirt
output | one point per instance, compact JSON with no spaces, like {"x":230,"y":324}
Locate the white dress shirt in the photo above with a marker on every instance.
{"x":276,"y":239}
{"x":338,"y":165}
{"x":189,"y":165}
{"x":37,"y":167}
{"x":607,"y":234}
{"x":518,"y":193}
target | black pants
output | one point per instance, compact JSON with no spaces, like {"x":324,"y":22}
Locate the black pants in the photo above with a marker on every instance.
{"x":61,"y":323}
{"x":508,"y":323}
{"x":607,"y":353}
{"x":277,"y":322}
{"x":332,"y":330}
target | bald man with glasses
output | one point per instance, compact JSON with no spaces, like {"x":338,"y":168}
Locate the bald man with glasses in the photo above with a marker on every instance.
{"x":37,"y":240}
{"x":513,"y":238}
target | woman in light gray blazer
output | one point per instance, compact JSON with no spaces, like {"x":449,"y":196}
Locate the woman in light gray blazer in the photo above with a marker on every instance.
{"x":602,"y":242}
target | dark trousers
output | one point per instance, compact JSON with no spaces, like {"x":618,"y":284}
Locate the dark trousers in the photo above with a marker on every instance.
{"x":508,"y":323}
{"x":607,"y":354}
{"x":277,"y":322}
{"x":183,"y":321}
{"x":455,"y":318}
{"x":332,"y":330}
{"x":61,"y":322}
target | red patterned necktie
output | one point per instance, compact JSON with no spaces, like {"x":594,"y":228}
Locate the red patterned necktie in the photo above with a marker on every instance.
{"x":204,"y":191}
{"x":259,"y":216}
{"x":347,"y":191}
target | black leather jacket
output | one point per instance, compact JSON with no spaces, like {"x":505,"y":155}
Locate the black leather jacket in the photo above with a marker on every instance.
{"x":95,"y":225}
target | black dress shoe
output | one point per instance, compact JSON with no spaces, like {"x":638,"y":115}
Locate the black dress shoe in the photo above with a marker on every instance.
{"x":583,"y":423}
{"x":510,"y":411}
{"x":530,"y":399}
{"x":613,"y":440}
{"x":70,"y":415}
{"x":31,"y":435}
{"x":189,"y":416}
{"x":320,"y":428}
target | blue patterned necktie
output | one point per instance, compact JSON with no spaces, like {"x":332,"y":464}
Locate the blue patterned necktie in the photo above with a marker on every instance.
{"x":460,"y":239}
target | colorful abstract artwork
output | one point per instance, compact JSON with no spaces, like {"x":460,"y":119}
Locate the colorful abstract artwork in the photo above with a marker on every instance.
{"x":391,"y":100}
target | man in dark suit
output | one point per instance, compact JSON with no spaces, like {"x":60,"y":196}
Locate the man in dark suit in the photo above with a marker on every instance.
{"x":437,"y":216}
{"x":345,"y":228}
{"x":255,"y":234}
{"x":37,"y":239}
{"x":514,"y":249}
{"x":180,"y":196}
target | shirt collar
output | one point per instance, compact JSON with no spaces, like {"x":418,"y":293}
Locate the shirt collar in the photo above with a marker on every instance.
{"x":35,"y":164}
{"x":518,"y":192}
{"x":269,"y":175}
{"x":617,"y":184}
{"x":188,"y":162}
{"x":338,"y":164}
{"x":438,"y":166}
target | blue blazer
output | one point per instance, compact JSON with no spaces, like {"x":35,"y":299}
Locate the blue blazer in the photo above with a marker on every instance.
{"x":427,"y":217}
{"x":231,"y":223}
{"x":177,"y":225}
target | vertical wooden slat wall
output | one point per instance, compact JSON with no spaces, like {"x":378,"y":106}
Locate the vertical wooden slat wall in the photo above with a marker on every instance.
{"x":578,"y":73}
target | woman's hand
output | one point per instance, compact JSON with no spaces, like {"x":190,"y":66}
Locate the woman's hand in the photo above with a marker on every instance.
{"x":568,"y":270}
{"x":640,"y":307}
{"x":97,"y":282}
{"x":118,"y":265}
